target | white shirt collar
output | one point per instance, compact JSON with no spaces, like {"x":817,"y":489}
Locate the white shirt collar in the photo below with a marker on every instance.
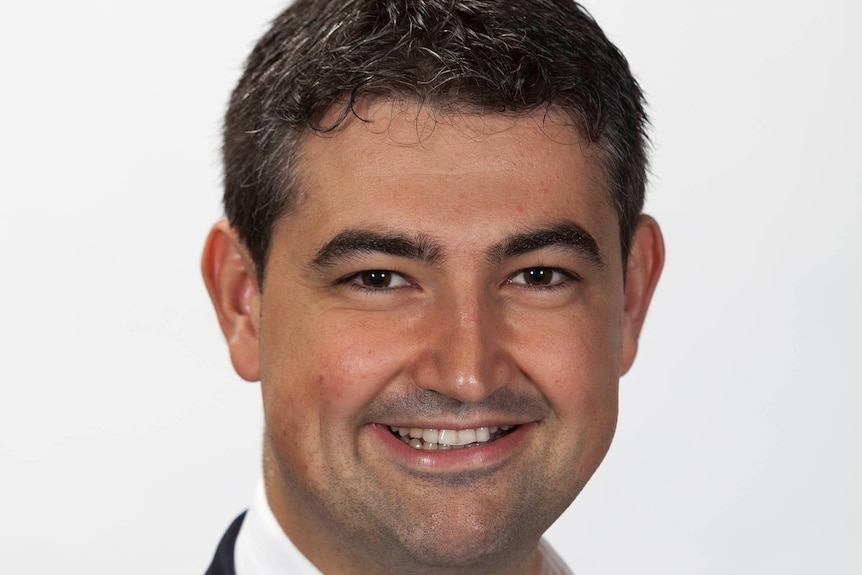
{"x":262,"y":548}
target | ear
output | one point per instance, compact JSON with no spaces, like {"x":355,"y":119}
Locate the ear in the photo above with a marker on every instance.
{"x":231,"y":281}
{"x":643,"y":269}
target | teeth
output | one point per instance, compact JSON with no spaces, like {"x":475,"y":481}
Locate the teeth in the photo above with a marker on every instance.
{"x":430,"y":435}
{"x":445,"y":439}
{"x":466,"y":436}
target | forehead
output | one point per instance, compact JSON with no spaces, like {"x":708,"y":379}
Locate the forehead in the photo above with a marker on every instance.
{"x":387,"y":122}
{"x":394,"y":160}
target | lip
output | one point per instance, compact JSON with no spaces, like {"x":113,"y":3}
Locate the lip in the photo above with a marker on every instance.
{"x":481,"y":457}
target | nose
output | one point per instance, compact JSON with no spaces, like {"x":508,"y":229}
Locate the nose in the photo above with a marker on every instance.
{"x":465,"y":354}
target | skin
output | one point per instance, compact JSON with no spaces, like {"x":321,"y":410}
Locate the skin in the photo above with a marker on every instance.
{"x":457,"y":335}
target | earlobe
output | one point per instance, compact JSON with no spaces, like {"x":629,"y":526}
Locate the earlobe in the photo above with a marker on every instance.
{"x":643,"y":269}
{"x":231,"y":281}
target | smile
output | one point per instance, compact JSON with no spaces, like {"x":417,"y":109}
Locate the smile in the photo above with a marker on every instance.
{"x":445,"y":439}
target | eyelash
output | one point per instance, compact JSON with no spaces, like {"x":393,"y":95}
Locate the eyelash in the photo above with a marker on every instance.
{"x":566,"y":278}
{"x":353,"y":281}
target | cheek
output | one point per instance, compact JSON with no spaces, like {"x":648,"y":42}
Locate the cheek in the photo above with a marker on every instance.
{"x":324,"y":372}
{"x":575,"y":364}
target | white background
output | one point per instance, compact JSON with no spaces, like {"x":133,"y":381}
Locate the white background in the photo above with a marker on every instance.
{"x":127,"y":444}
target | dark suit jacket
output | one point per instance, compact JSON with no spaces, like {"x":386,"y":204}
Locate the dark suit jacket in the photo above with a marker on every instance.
{"x":223,"y":561}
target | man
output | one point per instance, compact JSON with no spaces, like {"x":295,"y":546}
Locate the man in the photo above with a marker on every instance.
{"x":435,"y":263}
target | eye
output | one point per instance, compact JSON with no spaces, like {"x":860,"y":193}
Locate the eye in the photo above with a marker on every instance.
{"x":379,"y":280}
{"x":541,"y":277}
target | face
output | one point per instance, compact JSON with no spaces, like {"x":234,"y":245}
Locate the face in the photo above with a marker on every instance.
{"x":441,"y":333}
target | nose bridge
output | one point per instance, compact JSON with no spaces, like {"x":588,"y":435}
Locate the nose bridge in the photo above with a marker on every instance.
{"x":467,"y":348}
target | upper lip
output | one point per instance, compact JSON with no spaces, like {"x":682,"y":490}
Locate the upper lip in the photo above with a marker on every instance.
{"x":458,"y":425}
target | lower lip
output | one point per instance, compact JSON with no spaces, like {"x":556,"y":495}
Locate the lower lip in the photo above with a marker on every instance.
{"x":466,"y":458}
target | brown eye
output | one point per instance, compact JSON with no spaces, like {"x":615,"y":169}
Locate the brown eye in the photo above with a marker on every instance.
{"x":381,"y":280}
{"x":541,"y":277}
{"x":538,"y":276}
{"x":376,"y":278}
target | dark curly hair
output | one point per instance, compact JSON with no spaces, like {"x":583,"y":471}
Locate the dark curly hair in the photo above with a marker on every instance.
{"x":494,"y":56}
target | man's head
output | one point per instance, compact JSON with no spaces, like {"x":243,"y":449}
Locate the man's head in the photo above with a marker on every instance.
{"x":436,"y":266}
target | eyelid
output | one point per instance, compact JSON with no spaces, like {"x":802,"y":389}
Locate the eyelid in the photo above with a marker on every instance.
{"x":354,"y":280}
{"x":565,"y":277}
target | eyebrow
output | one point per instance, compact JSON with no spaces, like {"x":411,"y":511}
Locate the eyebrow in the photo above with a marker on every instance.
{"x":352,"y":243}
{"x":355,"y":242}
{"x":566,"y":234}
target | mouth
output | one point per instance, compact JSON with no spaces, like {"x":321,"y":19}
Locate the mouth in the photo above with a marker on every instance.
{"x":450,"y":439}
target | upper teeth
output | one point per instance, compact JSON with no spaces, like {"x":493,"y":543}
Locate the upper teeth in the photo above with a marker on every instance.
{"x":426,"y":438}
